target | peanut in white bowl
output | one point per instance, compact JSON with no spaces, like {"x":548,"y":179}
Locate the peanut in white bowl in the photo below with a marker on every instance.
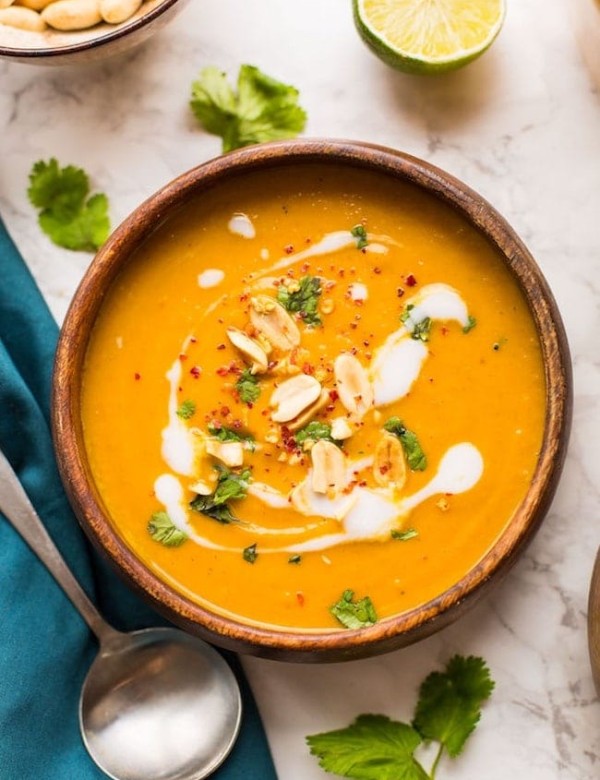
{"x":61,"y":47}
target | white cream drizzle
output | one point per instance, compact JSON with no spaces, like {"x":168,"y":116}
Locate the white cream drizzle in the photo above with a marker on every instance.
{"x":242,"y":225}
{"x":364,"y":514}
{"x":178,"y":446}
{"x":210,"y":278}
{"x":398,"y":362}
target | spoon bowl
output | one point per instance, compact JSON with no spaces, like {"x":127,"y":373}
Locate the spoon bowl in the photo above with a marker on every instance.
{"x":159,"y":703}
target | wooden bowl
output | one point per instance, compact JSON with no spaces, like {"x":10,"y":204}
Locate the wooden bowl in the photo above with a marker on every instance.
{"x":320,"y":645}
{"x":53,"y":47}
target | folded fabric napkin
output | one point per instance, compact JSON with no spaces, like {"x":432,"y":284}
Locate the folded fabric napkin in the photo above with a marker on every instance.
{"x":45,"y":648}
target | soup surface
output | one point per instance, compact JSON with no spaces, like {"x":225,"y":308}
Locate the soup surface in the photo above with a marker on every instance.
{"x":313,"y":399}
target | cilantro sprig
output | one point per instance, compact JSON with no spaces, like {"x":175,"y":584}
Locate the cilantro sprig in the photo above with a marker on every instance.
{"x":262,"y":109}
{"x":354,"y":614}
{"x":222,"y":433}
{"x":359,"y":232}
{"x":314,"y":431}
{"x":419,"y":329}
{"x":248,"y":387}
{"x":67,"y":215}
{"x":374,"y":747}
{"x":187,"y":409}
{"x":303,"y":301}
{"x":417,"y":460}
{"x":231,"y":486}
{"x":162,"y":529}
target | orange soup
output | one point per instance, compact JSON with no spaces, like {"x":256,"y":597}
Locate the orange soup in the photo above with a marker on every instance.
{"x":314,"y":398}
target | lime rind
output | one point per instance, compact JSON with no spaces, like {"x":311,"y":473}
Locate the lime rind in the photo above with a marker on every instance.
{"x":407,"y":61}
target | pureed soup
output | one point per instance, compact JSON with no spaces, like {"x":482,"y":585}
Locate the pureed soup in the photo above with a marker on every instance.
{"x":314,"y":398}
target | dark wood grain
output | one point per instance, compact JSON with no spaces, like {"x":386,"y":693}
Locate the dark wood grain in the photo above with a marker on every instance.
{"x":324,"y":645}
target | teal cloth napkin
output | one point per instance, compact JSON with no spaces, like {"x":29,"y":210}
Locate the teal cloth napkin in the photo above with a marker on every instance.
{"x":45,"y":648}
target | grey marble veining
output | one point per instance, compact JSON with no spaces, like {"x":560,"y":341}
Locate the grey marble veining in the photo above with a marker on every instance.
{"x":521,"y":126}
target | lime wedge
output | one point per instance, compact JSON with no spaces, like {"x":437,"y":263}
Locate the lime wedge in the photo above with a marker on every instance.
{"x":428,"y":36}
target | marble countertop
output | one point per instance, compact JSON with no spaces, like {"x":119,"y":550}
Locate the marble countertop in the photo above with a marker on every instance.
{"x":521,"y":126}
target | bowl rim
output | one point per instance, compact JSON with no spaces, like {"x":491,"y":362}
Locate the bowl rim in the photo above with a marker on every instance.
{"x":280,"y":642}
{"x":112,"y":33}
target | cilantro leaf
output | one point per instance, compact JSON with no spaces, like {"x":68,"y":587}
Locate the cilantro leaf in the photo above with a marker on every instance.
{"x":248,"y":387}
{"x":360,"y":234}
{"x":303,"y":301}
{"x":354,"y":614}
{"x":65,"y":215}
{"x":449,"y":702}
{"x":249,"y":554}
{"x":420,"y":329}
{"x":186,"y":410}
{"x":231,"y":486}
{"x":314,"y":431}
{"x":404,"y":536}
{"x":162,"y":529}
{"x":471,"y":323}
{"x":263,"y":109}
{"x":222,"y":433}
{"x":417,"y":460}
{"x":372,"y":748}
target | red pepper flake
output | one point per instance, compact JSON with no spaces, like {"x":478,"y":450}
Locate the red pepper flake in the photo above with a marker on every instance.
{"x":300,"y":598}
{"x":221,"y":346}
{"x":410,"y":280}
{"x":225,"y":410}
{"x":196,"y":371}
{"x":223,"y":370}
{"x":308,"y":368}
{"x":364,"y":251}
{"x":244,"y":297}
{"x":362,"y":483}
{"x":444,"y":330}
{"x":377,"y":270}
{"x":329,"y":408}
{"x":288,"y":249}
{"x":358,"y":301}
{"x":220,"y":320}
{"x":368,"y":355}
{"x":365,"y":343}
{"x":341,"y":273}
{"x":400,"y":292}
{"x":216,"y":424}
{"x":193,"y":339}
{"x":334,"y":395}
{"x":137,"y":376}
{"x":353,"y":351}
{"x":304,"y":267}
{"x":309,"y":240}
{"x":183,"y":357}
{"x":353,"y":325}
{"x":237,"y":424}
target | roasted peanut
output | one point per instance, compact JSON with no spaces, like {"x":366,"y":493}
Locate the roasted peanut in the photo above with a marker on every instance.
{"x":72,"y":14}
{"x":293,"y":396}
{"x":22,"y":18}
{"x":116,"y":11}
{"x":329,"y":468}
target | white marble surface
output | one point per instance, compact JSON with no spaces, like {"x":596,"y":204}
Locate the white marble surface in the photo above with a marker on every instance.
{"x":522,"y":126}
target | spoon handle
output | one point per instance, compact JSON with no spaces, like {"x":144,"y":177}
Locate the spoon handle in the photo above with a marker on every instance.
{"x":594,"y":622}
{"x":16,"y":506}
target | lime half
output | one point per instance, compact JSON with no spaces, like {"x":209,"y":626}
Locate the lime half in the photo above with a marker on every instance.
{"x":428,"y":36}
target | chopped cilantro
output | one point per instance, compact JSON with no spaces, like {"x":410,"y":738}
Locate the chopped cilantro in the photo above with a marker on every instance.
{"x":66,"y":214}
{"x":249,"y":553}
{"x":360,"y":234}
{"x":186,"y":410}
{"x":314,"y":431}
{"x":354,"y":614}
{"x":374,"y":747}
{"x":471,"y":323}
{"x":295,"y":559}
{"x":263,"y":109}
{"x":162,"y":529}
{"x":231,"y":486}
{"x":404,"y":536}
{"x":417,"y":460}
{"x":304,"y":301}
{"x":420,"y":330}
{"x":223,"y":433}
{"x":248,"y":387}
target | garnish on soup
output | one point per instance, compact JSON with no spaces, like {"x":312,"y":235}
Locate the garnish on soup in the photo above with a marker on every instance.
{"x":295,"y":405}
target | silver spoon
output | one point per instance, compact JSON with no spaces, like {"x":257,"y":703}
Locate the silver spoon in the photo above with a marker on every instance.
{"x":156,"y":703}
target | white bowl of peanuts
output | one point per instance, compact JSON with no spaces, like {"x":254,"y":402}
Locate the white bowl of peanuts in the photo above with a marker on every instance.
{"x":65,"y":31}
